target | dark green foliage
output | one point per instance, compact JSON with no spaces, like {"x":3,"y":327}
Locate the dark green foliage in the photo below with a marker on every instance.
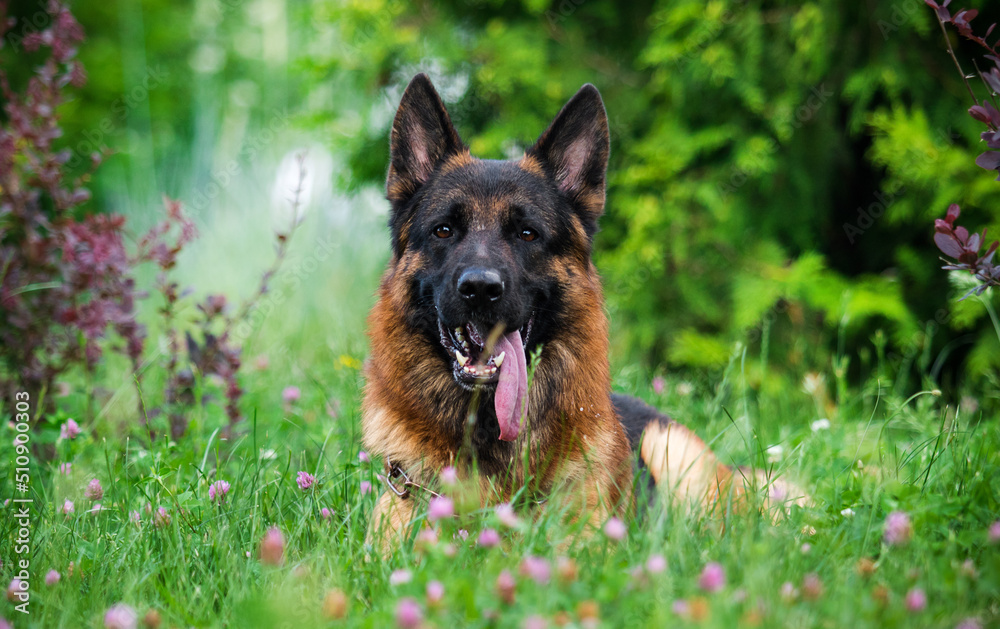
{"x":774,"y":167}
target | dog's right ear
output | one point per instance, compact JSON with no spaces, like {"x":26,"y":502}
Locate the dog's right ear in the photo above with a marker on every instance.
{"x":422,"y":137}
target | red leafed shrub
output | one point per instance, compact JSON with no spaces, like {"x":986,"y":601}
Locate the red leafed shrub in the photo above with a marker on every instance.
{"x":66,"y":280}
{"x":956,"y":242}
{"x":68,"y":288}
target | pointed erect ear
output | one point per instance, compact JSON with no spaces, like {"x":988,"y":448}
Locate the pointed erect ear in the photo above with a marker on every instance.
{"x":575,"y":150}
{"x":422,"y":137}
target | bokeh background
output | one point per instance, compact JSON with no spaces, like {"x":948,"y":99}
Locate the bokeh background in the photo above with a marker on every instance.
{"x":776,"y":167}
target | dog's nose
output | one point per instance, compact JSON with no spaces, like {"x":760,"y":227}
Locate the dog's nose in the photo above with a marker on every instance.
{"x":480,"y":286}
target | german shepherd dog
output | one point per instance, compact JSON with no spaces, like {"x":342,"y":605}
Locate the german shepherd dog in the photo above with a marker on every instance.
{"x":491,"y":265}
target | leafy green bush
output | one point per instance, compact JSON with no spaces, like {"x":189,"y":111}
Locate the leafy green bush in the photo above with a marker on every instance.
{"x":774,"y":166}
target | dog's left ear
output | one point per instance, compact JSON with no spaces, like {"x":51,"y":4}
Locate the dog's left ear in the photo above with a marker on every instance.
{"x":575,"y":148}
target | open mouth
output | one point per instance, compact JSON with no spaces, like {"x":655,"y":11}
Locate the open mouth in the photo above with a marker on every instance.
{"x":494,"y":360}
{"x":467,"y":346}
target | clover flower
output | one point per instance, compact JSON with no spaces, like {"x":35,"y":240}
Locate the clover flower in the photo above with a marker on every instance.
{"x":898,"y":529}
{"x":272,"y":547}
{"x":440,"y":507}
{"x":505,"y":587}
{"x":305,"y":480}
{"x":94,"y":491}
{"x":537,"y":569}
{"x":449,"y":475}
{"x":916,"y":600}
{"x":712,"y":578}
{"x":656,"y":564}
{"x":408,"y":614}
{"x":121,"y":616}
{"x":291,"y":394}
{"x":488,"y":538}
{"x":69,"y":430}
{"x":505,"y":513}
{"x":615,"y":530}
{"x":435,"y":592}
{"x":218,"y":489}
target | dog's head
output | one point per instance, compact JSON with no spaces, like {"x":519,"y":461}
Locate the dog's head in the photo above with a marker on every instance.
{"x":490,"y":245}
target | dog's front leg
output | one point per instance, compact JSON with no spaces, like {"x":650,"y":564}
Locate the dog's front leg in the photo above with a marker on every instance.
{"x":390,"y":522}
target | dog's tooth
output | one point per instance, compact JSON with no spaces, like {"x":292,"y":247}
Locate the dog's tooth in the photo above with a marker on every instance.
{"x":460,"y":358}
{"x":498,"y":360}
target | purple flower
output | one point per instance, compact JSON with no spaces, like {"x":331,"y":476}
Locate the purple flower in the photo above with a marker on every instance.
{"x":489,"y":538}
{"x":898,"y":529}
{"x":536,"y":569}
{"x":788,"y":591}
{"x":67,"y":508}
{"x":399,"y":577}
{"x":506,"y":586}
{"x":426,"y":538}
{"x":408,"y":614}
{"x":363,"y":457}
{"x":505,"y":513}
{"x":994,"y":534}
{"x":291,"y":394}
{"x":812,"y":586}
{"x":969,"y":623}
{"x":94,"y":491}
{"x":135,"y":517}
{"x":121,"y":616}
{"x":656,"y":564}
{"x":65,"y":468}
{"x":272,"y":547}
{"x":440,"y":507}
{"x":916,"y":600}
{"x":51,"y":578}
{"x":366,"y":488}
{"x":161,"y":518}
{"x":14,"y":590}
{"x":712,"y":578}
{"x":659,"y":384}
{"x":69,"y":430}
{"x":326,"y":513}
{"x":535,"y":622}
{"x":449,"y":475}
{"x":218,"y":489}
{"x":305,"y":480}
{"x":435,"y":592}
{"x":615,"y":529}
{"x":681,"y":608}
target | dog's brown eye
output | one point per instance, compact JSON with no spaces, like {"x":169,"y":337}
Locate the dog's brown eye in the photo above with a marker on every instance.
{"x":528,"y":235}
{"x":442,"y":231}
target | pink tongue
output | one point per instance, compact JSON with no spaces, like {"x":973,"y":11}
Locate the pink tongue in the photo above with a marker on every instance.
{"x":512,"y":386}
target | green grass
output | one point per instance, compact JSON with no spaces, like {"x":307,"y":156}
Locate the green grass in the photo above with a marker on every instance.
{"x":881,"y":453}
{"x":196,"y":570}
